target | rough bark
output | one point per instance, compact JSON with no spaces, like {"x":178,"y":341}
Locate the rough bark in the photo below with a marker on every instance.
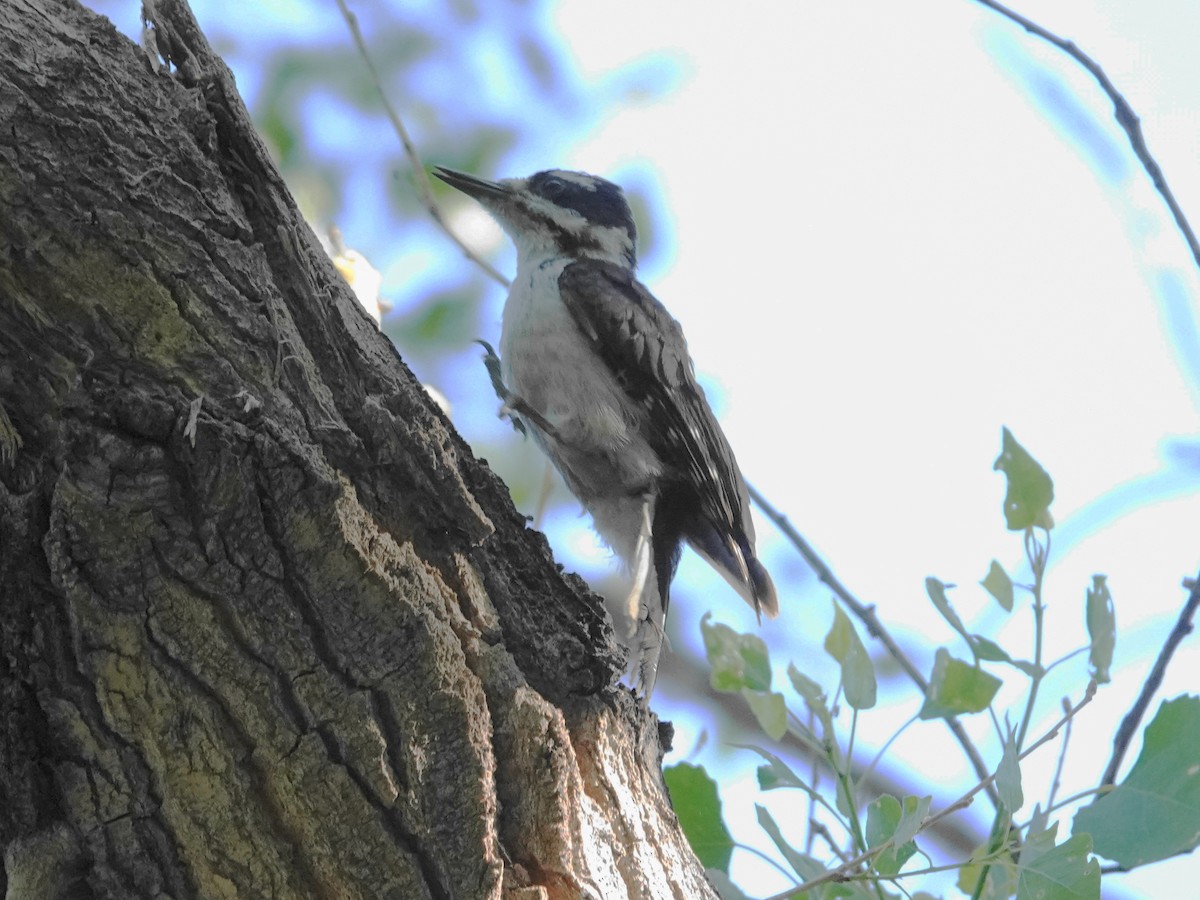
{"x":267,"y":628}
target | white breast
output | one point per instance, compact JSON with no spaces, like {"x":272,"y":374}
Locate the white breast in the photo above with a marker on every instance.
{"x":536,"y":331}
{"x":547,"y":362}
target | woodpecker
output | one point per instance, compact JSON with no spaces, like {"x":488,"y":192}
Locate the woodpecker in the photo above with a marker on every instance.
{"x":597,"y":370}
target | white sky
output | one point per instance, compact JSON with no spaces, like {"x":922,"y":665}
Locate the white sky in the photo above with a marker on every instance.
{"x":886,"y":249}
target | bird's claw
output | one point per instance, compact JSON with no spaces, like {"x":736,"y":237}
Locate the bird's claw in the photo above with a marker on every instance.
{"x":491,"y":362}
{"x":513,"y":406}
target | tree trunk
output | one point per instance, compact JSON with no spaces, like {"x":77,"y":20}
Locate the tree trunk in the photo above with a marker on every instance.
{"x":268,"y":628}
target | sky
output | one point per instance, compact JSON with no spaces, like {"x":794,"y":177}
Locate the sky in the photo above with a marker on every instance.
{"x":889,"y":230}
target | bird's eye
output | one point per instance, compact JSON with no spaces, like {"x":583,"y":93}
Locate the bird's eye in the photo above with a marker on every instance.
{"x":553,"y":187}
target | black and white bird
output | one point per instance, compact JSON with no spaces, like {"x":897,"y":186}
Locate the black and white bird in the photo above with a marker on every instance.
{"x":598,"y":371}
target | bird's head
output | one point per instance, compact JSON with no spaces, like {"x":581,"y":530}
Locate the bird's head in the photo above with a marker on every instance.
{"x":556,"y":213}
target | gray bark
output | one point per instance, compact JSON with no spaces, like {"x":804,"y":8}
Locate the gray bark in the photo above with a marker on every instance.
{"x":267,"y":628}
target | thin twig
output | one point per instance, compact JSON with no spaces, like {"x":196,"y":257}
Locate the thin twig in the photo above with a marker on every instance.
{"x":1183,"y":627}
{"x":866,"y":615}
{"x":1062,"y":756}
{"x":813,"y":779}
{"x":420,"y":178}
{"x":1037,"y":555}
{"x":914,"y":873}
{"x":888,"y":744}
{"x":819,"y":829}
{"x":1062,"y":659}
{"x":1123,"y":112}
{"x":1122,"y":870}
{"x":1063,"y":804}
{"x":767,"y":858}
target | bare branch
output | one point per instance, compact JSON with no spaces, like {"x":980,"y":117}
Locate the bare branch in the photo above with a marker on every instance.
{"x":1183,"y":627}
{"x":1123,"y":112}
{"x":866,"y":615}
{"x":420,"y":179}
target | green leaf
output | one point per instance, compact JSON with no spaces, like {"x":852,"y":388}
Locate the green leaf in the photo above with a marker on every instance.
{"x":1030,"y":490}
{"x":990,"y":651}
{"x":768,"y":707}
{"x":845,"y":801}
{"x":777,"y":773}
{"x":726,"y":889}
{"x":440,"y":323}
{"x":1155,"y":812}
{"x":999,"y":585}
{"x":1066,"y":872}
{"x":1001,"y":878}
{"x":937,"y":593}
{"x":850,"y":890}
{"x":841,"y":634}
{"x":858,"y":675}
{"x":1040,"y":820}
{"x":1102,"y":629}
{"x":883,"y":817}
{"x":803,"y":865}
{"x":956,"y":687}
{"x":738,"y":660}
{"x":694,"y":797}
{"x":914,"y":810}
{"x":810,"y":692}
{"x":1008,"y":776}
{"x":1038,"y":843}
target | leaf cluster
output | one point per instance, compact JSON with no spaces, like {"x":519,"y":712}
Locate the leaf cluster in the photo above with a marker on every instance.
{"x":1153,"y":814}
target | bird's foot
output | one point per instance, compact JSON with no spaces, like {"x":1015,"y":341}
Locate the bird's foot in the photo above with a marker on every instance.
{"x":512,"y":406}
{"x":649,"y":644}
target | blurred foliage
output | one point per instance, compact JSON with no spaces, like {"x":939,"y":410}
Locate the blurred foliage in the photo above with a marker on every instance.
{"x":694,"y":797}
{"x":420,"y":55}
{"x":438,"y":323}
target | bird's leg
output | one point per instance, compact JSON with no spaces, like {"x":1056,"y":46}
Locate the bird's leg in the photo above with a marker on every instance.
{"x":511,"y":402}
{"x":649,"y":650}
{"x":637,"y":603}
{"x":645,"y":606}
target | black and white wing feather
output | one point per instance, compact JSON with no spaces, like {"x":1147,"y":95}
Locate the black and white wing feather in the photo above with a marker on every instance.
{"x":703,"y":497}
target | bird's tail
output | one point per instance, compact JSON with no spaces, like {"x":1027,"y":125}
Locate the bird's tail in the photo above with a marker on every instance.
{"x":734,"y":558}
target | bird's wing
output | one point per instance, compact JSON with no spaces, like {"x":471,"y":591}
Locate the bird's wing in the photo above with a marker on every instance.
{"x":644,"y":348}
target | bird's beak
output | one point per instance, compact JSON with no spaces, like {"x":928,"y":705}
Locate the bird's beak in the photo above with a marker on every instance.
{"x":479,"y":188}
